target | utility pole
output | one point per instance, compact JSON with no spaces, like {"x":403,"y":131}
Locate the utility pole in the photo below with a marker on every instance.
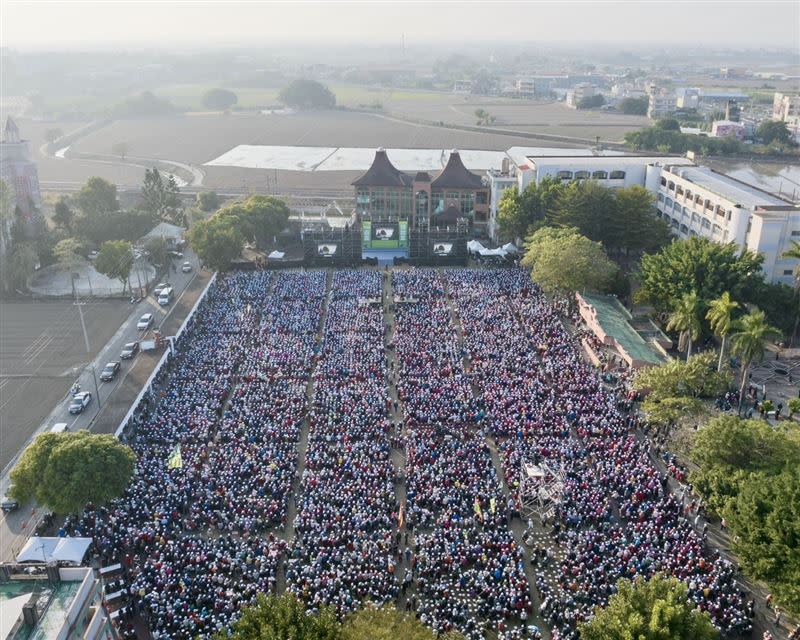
{"x":79,"y":304}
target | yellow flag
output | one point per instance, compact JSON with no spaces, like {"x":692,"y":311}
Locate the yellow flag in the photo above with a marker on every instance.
{"x":493,"y":504}
{"x":175,"y":461}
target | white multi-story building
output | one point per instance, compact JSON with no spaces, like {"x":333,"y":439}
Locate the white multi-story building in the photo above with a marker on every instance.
{"x":688,"y":98}
{"x":580,"y":92}
{"x":661,"y":103}
{"x":787,"y":109}
{"x":609,"y":168}
{"x":697,"y":201}
{"x":498,"y":181}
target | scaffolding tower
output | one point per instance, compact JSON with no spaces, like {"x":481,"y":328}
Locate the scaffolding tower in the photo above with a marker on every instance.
{"x":541,"y":488}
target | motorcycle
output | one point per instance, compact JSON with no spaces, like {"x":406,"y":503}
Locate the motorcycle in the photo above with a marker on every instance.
{"x":76,"y":389}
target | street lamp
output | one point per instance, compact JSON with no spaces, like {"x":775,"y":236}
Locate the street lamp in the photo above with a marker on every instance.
{"x":80,"y":304}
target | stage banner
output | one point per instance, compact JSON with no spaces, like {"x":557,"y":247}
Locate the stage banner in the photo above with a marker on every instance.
{"x":366,"y":234}
{"x":403,"y":235}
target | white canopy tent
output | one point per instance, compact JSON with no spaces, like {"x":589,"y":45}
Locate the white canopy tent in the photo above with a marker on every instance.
{"x":510,"y":248}
{"x":491,"y":252}
{"x":276,"y":255}
{"x":473,"y":246}
{"x":54,"y":550}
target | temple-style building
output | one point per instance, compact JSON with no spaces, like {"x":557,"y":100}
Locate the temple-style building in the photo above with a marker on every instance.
{"x":456,"y":196}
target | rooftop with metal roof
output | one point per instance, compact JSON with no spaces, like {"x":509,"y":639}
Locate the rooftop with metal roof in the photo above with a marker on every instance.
{"x":730,"y":188}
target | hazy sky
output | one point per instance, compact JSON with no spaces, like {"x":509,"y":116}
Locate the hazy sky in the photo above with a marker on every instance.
{"x":52,"y":24}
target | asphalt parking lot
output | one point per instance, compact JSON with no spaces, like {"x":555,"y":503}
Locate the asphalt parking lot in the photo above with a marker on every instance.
{"x":42,"y":352}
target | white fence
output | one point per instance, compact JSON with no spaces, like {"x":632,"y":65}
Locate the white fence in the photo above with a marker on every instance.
{"x":162,"y":361}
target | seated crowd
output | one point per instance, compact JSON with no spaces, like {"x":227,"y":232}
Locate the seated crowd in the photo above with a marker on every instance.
{"x":267,"y":354}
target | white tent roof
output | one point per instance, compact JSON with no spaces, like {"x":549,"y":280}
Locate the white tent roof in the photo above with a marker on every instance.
{"x":276,"y":255}
{"x":474,"y":246}
{"x":510,"y":248}
{"x":166,"y":230}
{"x":10,"y":613}
{"x":492,"y":252}
{"x":54,"y":549}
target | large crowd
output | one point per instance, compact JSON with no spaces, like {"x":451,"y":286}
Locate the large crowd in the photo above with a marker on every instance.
{"x":482,"y":357}
{"x":616,"y":517}
{"x":341,"y":554}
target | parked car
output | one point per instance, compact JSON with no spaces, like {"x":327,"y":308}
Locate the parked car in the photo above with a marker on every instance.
{"x":186,"y":267}
{"x":160,"y":287}
{"x":176,"y":254}
{"x":165,"y":297}
{"x":129,"y":350}
{"x":110,"y":371}
{"x":9,"y":503}
{"x":93,"y":254}
{"x":59,"y":427}
{"x":79,"y":402}
{"x":144,"y":322}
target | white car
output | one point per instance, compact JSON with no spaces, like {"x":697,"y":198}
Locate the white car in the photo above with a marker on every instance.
{"x":160,"y":287}
{"x":79,"y":402}
{"x":186,"y":267}
{"x":144,"y":322}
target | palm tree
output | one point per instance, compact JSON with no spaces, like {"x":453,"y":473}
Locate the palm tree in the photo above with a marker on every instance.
{"x":719,"y":316}
{"x":752,"y":333}
{"x":794,"y":252}
{"x":686,"y":320}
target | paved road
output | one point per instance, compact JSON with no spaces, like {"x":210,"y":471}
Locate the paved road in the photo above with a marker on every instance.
{"x":17,"y":525}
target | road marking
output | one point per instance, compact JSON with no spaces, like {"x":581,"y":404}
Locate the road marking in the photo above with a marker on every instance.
{"x":38,"y":351}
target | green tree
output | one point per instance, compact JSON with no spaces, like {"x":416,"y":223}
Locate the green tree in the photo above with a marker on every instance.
{"x":635,"y":212}
{"x":63,"y":216}
{"x":634,"y":106}
{"x":765,"y":520}
{"x":696,"y":378}
{"x":519,"y":214}
{"x":774,"y":131}
{"x":97,"y":197}
{"x":120,"y":149}
{"x":307,"y":94}
{"x":387,"y":623}
{"x":51,"y":135}
{"x":20,"y":265}
{"x":219,"y":99}
{"x":115,"y":260}
{"x":793,"y":406}
{"x":258,"y":218}
{"x":145,"y":105}
{"x":685,"y":318}
{"x":592,"y":102}
{"x":794,"y":254}
{"x":592,"y":209}
{"x":65,"y":471}
{"x":655,"y":609}
{"x":564,"y":260}
{"x":748,"y":342}
{"x":720,"y":317}
{"x":208,"y":200}
{"x":699,"y":265}
{"x":161,"y":199}
{"x":67,"y":253}
{"x":158,"y":250}
{"x":218,"y":241}
{"x":668,"y":124}
{"x":283,"y":618}
{"x":667,"y":412}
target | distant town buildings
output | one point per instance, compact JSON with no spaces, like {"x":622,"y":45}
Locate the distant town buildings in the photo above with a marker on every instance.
{"x":697,"y":201}
{"x":580,"y":92}
{"x":462,"y":86}
{"x":786,"y":108}
{"x":661,"y":103}
{"x":727,"y":129}
{"x":687,"y":98}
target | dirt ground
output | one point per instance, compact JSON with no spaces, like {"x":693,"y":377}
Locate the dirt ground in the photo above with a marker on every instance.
{"x":41,"y":352}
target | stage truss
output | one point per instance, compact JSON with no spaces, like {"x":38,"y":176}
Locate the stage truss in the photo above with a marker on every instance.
{"x":541,"y":488}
